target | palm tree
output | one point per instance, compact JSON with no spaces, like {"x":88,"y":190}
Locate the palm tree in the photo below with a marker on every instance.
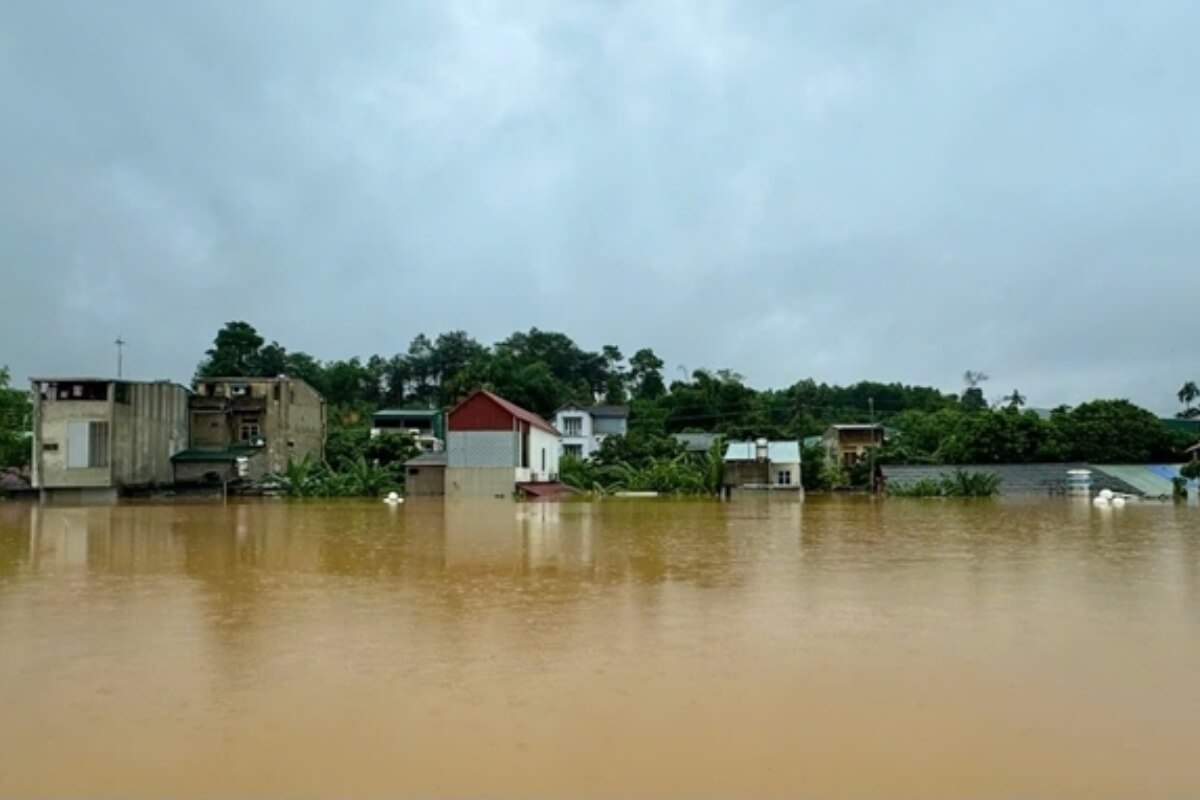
{"x":1015,"y":400}
{"x":1187,"y":395}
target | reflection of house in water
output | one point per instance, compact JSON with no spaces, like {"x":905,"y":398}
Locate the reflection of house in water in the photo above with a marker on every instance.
{"x":106,"y":539}
{"x":510,"y":537}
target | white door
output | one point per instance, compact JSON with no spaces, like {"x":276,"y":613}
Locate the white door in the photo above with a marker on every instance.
{"x":77,"y":445}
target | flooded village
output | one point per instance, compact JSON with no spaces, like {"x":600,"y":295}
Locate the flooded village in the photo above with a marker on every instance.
{"x":186,"y":578}
{"x":571,"y":399}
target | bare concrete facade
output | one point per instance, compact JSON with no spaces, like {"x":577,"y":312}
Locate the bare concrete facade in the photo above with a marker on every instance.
{"x":281,"y":419}
{"x":94,"y":438}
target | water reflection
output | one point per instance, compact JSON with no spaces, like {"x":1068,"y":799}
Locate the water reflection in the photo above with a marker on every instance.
{"x":629,"y":641}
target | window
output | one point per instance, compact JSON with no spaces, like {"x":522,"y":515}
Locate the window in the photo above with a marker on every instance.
{"x":573,"y":450}
{"x":87,"y":445}
{"x":249,"y":430}
{"x":572,"y":426}
{"x":784,"y":478}
{"x":92,"y":390}
{"x":543,"y":459}
{"x":49,"y":447}
{"x":121,"y":393}
{"x":414,"y":471}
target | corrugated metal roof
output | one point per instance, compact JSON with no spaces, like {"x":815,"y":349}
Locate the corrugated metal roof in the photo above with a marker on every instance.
{"x":1014,"y":478}
{"x":1145,"y":479}
{"x":787,"y":452}
{"x":199,"y":456}
{"x":404,"y":413}
{"x":696,"y":442}
{"x":512,"y":408}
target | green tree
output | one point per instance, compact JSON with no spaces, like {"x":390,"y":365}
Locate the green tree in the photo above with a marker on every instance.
{"x":234,"y":354}
{"x":1188,"y":394}
{"x":645,"y":375}
{"x":972,"y":397}
{"x":1015,"y":400}
{"x":1113,"y":432}
{"x":16,"y":416}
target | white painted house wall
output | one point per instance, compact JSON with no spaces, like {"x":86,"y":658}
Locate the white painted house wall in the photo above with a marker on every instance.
{"x":583,"y":440}
{"x":544,"y":449}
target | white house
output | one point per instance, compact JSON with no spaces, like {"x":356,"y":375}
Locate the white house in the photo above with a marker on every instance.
{"x":584,"y":428}
{"x":763,"y":465}
{"x":494,"y":447}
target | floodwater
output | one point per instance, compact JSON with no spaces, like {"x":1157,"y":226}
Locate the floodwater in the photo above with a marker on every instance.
{"x":836,"y":647}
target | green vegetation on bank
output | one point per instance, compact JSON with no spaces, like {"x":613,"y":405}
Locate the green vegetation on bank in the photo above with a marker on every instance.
{"x":543,"y":370}
{"x":356,"y":465}
{"x":641,"y":463}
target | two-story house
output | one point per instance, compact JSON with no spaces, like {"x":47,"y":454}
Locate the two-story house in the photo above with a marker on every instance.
{"x":96,"y":438}
{"x":270,"y":422}
{"x":846,"y":445}
{"x":584,"y":428}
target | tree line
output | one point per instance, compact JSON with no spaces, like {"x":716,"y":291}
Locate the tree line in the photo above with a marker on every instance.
{"x":543,"y":370}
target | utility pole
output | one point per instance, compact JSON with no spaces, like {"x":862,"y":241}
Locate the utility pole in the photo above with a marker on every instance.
{"x":120,"y":343}
{"x":871,"y":450}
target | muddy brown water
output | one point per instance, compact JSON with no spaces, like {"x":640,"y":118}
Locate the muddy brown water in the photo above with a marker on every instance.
{"x":836,"y":647}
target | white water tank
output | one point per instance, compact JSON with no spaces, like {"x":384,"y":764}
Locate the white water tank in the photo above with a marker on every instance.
{"x":760,"y":449}
{"x":1079,"y":481}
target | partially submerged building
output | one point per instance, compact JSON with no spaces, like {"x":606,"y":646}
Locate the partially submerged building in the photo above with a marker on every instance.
{"x":584,"y":428}
{"x":846,"y":445}
{"x":96,"y":438}
{"x":761,"y":464}
{"x":269,"y":422}
{"x":425,"y":475}
{"x":427,"y":426}
{"x":495,"y":448}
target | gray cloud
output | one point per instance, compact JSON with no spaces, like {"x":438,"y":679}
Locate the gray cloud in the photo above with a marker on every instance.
{"x":872,"y":189}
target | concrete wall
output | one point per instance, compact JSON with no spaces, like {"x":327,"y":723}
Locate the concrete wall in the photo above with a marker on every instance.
{"x":480,"y":481}
{"x":147,"y":430}
{"x":544,"y":451}
{"x":740,"y":473}
{"x":483,"y":449}
{"x":290,"y":415}
{"x":425,"y":480}
{"x":304,"y":417}
{"x":51,"y":422}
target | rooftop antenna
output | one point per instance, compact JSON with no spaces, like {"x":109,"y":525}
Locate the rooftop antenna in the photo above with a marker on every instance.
{"x":120,"y":343}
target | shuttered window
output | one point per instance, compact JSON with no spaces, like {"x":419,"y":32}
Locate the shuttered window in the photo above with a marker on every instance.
{"x":87,"y":445}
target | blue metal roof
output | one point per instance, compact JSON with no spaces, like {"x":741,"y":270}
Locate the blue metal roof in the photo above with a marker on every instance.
{"x":777,"y":452}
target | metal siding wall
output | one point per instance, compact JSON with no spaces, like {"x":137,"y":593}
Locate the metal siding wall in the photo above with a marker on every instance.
{"x":481,"y":449}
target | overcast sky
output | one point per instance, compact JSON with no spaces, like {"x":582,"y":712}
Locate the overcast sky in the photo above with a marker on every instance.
{"x":843,"y":190}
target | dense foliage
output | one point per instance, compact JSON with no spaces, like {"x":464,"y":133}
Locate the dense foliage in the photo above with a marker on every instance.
{"x":543,"y":370}
{"x":15,"y":422}
{"x":356,"y":465}
{"x":641,"y":463}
